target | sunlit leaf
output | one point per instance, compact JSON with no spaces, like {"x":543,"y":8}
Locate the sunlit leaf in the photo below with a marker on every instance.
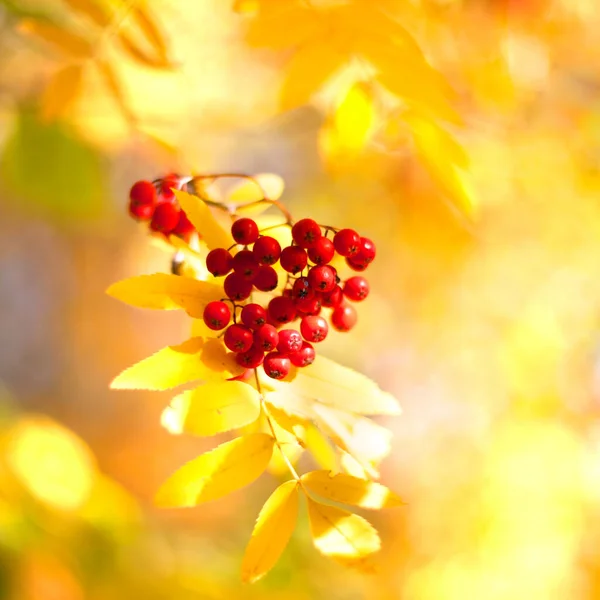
{"x":61,"y":92}
{"x":261,"y":186}
{"x":227,"y":468}
{"x":140,"y":55}
{"x":320,"y":447}
{"x":92,"y":10}
{"x":166,"y":292}
{"x":115,"y":88}
{"x":346,"y":489}
{"x":216,"y":407}
{"x":205,"y":223}
{"x":341,"y":535}
{"x":62,"y":39}
{"x":151,"y":31}
{"x":272,"y":532}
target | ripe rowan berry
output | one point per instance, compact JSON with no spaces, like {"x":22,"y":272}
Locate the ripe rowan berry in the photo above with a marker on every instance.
{"x":308,"y":306}
{"x":302,"y":290}
{"x":165,"y":218}
{"x":367,"y":251}
{"x":244,"y":231}
{"x":238,"y":338}
{"x":303,"y":357}
{"x":322,"y":252}
{"x":347,"y":242}
{"x":290,"y":340}
{"x":251,"y":358}
{"x":216,"y":315}
{"x":266,"y":337}
{"x":306,"y":233}
{"x":314,"y":328}
{"x":236,"y":287}
{"x":356,"y":265}
{"x":356,"y":288}
{"x":143,"y":193}
{"x":266,"y":279}
{"x":219,"y":262}
{"x":267,"y":250}
{"x":343,"y":317}
{"x":332,"y":298}
{"x":141,"y":212}
{"x":184,"y":226}
{"x":245,"y":264}
{"x":293,"y":259}
{"x":282,"y":310}
{"x":276,"y":365}
{"x":253,"y":316}
{"x":322,"y":278}
{"x":170,"y":181}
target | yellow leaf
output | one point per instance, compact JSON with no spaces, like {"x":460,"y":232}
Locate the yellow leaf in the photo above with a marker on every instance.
{"x":351,"y":466}
{"x":216,"y":407}
{"x":151,"y":31}
{"x":309,"y":68}
{"x":261,"y":186}
{"x":346,"y":489}
{"x":115,"y":88}
{"x":139,"y":54}
{"x":64,"y":40}
{"x":166,"y":292}
{"x":173,"y":366}
{"x":61,"y":92}
{"x":92,"y":10}
{"x":320,"y":447}
{"x":272,"y":532}
{"x":341,"y":535}
{"x":229,"y":467}
{"x":207,"y":226}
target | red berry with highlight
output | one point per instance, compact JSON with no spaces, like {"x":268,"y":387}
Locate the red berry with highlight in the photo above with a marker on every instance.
{"x":290,"y":340}
{"x":236,"y":287}
{"x":293,"y":259}
{"x":143,"y":193}
{"x":314,"y":328}
{"x":244,"y":231}
{"x":168,"y":182}
{"x":309,"y":306}
{"x":306,"y":233}
{"x":141,"y":212}
{"x":184,"y":227}
{"x":238,"y":338}
{"x":356,"y":265}
{"x":322,"y":252}
{"x":245,"y":265}
{"x":304,"y":357}
{"x":276,"y":365}
{"x":253,"y":316}
{"x":266,"y":338}
{"x":343,"y":317}
{"x":333,"y":298}
{"x":165,"y":218}
{"x":302,"y":290}
{"x":219,"y":262}
{"x":250,"y":359}
{"x":266,"y":279}
{"x":322,"y":278}
{"x":367,"y":251}
{"x":216,"y":315}
{"x":282,"y":310}
{"x":347,"y":242}
{"x":356,"y":288}
{"x":267,"y":250}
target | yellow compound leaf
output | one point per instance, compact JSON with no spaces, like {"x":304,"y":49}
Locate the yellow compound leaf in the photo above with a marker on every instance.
{"x":60,"y":38}
{"x":140,"y":55}
{"x":216,"y":407}
{"x":341,"y":535}
{"x":309,"y":68}
{"x":261,"y":186}
{"x":173,"y":366}
{"x":346,"y":489}
{"x":152,"y":33}
{"x":272,"y":532}
{"x":61,"y":92}
{"x":320,"y":447}
{"x":229,"y":467}
{"x":203,"y":220}
{"x":166,"y":292}
{"x":92,"y":10}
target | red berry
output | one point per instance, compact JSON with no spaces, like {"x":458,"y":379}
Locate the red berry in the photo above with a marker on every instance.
{"x":290,"y":340}
{"x":367,"y":251}
{"x":216,"y":315}
{"x":250,"y":359}
{"x":266,"y":338}
{"x":253,"y":316}
{"x":304,"y":357}
{"x":143,"y":192}
{"x":238,"y":338}
{"x":302,"y":290}
{"x":184,"y":226}
{"x":347,"y":242}
{"x":219,"y":262}
{"x":322,"y":278}
{"x":293,"y":259}
{"x":282,"y":310}
{"x":322,"y":252}
{"x":356,"y":288}
{"x":141,"y":212}
{"x":356,"y":265}
{"x":266,"y":279}
{"x":267,"y":250}
{"x":306,"y":233}
{"x":168,"y":182}
{"x":245,"y":265}
{"x":244,"y":231}
{"x":343,"y":317}
{"x":165,"y":218}
{"x":276,"y":365}
{"x":236,"y":287}
{"x":309,"y":306}
{"x":332,"y":298}
{"x":314,"y":328}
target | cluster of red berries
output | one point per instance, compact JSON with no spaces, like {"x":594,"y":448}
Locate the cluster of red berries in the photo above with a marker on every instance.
{"x":256,"y":334}
{"x":155,"y":202}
